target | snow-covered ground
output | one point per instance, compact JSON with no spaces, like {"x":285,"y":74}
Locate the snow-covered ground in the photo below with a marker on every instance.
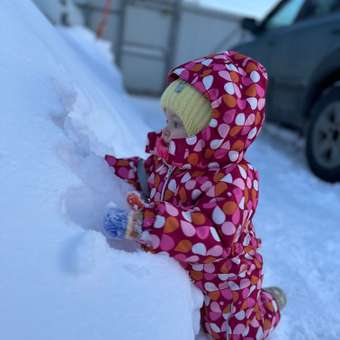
{"x":63,"y":107}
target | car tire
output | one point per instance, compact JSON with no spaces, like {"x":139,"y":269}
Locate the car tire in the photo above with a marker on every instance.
{"x":323,"y":136}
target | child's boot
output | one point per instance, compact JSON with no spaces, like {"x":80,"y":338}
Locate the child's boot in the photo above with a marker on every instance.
{"x":279,"y":296}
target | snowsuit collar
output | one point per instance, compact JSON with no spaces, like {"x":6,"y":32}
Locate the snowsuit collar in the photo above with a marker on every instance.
{"x":235,"y":85}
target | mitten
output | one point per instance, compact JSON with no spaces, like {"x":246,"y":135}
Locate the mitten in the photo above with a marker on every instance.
{"x":121,"y":224}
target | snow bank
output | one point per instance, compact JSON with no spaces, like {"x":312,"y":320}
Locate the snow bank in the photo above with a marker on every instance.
{"x":62,"y":108}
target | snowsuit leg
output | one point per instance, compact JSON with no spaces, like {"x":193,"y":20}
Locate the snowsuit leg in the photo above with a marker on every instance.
{"x":243,"y":310}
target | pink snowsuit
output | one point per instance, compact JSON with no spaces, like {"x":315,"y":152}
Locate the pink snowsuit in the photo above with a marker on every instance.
{"x":204,"y":195}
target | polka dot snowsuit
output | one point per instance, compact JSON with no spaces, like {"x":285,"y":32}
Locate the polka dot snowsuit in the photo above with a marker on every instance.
{"x":204,"y":193}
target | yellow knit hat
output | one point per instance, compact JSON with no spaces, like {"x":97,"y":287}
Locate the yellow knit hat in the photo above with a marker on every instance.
{"x":193,"y":108}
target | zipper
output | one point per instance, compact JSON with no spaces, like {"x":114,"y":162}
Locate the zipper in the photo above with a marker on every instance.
{"x":167,"y":177}
{"x":227,"y":333}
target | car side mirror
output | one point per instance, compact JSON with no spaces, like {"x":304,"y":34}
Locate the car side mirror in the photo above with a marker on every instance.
{"x":250,"y":24}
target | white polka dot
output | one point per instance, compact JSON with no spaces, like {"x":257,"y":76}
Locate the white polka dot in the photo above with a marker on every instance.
{"x":240,"y":119}
{"x":229,"y":88}
{"x":159,"y":222}
{"x":191,"y":140}
{"x":233,"y":155}
{"x":254,"y":76}
{"x":172,"y":148}
{"x":252,"y":133}
{"x":213,"y":123}
{"x":186,"y":177}
{"x":214,"y":144}
{"x":199,"y":249}
{"x":195,"y":194}
{"x":218,"y":215}
{"x":210,"y":287}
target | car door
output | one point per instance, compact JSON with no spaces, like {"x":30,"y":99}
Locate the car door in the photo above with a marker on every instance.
{"x":264,"y":45}
{"x":295,"y":52}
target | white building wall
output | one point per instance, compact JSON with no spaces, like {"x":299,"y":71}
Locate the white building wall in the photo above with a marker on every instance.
{"x":141,"y":37}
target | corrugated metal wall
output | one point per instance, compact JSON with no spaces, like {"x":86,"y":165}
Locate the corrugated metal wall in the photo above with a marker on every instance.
{"x":151,"y":36}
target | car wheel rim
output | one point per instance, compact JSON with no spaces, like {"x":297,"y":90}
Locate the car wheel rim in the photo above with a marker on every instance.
{"x":326,"y":136}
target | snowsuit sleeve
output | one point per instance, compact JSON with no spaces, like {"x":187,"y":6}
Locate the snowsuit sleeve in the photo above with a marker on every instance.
{"x":125,"y":168}
{"x":203,"y":233}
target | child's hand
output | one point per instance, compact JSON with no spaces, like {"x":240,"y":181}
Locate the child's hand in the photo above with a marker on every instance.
{"x":135,"y":201}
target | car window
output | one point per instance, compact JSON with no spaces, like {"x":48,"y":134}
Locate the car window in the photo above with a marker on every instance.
{"x":285,"y":15}
{"x":317,"y":8}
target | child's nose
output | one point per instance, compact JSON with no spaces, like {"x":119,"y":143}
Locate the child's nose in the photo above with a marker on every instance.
{"x":166,"y":132}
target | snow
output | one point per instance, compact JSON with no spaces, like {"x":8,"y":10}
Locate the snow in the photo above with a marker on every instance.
{"x":63,"y":107}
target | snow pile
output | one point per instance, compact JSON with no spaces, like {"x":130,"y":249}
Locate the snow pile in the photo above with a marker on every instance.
{"x":62,"y":108}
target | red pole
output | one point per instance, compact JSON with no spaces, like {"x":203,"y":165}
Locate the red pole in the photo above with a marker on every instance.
{"x":103,"y":22}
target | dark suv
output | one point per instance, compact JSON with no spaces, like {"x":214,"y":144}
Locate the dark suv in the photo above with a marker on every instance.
{"x":299,"y":44}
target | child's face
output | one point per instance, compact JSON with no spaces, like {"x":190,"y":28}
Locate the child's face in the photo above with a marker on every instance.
{"x":174,"y":127}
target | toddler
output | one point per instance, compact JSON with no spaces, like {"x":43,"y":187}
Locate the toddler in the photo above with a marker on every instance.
{"x":196,"y":194}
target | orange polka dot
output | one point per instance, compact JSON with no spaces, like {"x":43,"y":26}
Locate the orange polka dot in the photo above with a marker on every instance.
{"x":250,"y":67}
{"x":182,"y":194}
{"x":253,"y":195}
{"x":209,"y":259}
{"x":225,"y":268}
{"x":196,"y":67}
{"x":236,"y":296}
{"x":208,"y":153}
{"x":227,"y":309}
{"x":249,"y":249}
{"x":239,"y":56}
{"x":258,"y":264}
{"x":234,"y":77}
{"x":206,"y":72}
{"x":229,"y":100}
{"x":267,"y":324}
{"x":149,"y":214}
{"x":184,"y":246}
{"x":198,"y":218}
{"x":197,"y":173}
{"x":196,"y":275}
{"x":238,"y":145}
{"x":244,"y":305}
{"x":258,"y":314}
{"x":122,"y":162}
{"x":215,"y":114}
{"x":220,"y":188}
{"x":214,"y":295}
{"x":171,"y":224}
{"x":157,"y":181}
{"x":218,"y":176}
{"x":193,"y":158}
{"x":254,"y":279}
{"x":258,"y":118}
{"x":235,"y":130}
{"x":269,"y":306}
{"x":229,"y":207}
{"x":251,"y":91}
{"x":246,"y":196}
{"x":168,"y":194}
